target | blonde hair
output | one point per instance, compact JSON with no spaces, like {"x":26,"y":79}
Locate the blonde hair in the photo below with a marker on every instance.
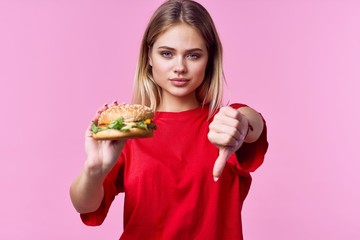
{"x":172,"y":12}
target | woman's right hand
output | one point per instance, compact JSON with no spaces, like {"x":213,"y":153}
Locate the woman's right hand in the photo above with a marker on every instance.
{"x":102,"y":155}
{"x":87,"y":190}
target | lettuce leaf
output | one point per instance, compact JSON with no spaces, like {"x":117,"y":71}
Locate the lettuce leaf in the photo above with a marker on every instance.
{"x":121,"y":126}
{"x":117,"y":124}
{"x":96,"y":129}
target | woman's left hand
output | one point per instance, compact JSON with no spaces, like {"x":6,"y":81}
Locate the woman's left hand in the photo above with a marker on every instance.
{"x":227,"y":131}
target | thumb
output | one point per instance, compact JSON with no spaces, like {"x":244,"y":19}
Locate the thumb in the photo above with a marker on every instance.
{"x":224,"y":154}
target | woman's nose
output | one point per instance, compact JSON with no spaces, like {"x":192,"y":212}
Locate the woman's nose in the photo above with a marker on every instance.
{"x":180,"y":66}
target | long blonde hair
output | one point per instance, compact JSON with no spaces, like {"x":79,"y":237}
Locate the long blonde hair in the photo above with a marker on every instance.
{"x":172,"y":12}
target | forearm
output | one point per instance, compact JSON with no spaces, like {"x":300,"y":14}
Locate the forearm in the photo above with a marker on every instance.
{"x":87,"y":191}
{"x":256,"y":124}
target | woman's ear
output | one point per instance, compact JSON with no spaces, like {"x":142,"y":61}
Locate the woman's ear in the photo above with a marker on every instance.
{"x":149,"y":55}
{"x":150,"y":61}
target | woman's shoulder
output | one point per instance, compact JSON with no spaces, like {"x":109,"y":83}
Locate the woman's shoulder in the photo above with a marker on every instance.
{"x":237,"y":105}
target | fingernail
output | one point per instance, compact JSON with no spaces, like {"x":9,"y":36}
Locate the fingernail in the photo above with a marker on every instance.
{"x":216,"y":178}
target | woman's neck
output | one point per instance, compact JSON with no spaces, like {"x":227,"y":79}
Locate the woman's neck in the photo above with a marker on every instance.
{"x":177,"y":105}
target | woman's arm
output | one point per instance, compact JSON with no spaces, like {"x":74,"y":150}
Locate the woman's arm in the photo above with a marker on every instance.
{"x":86,"y":191}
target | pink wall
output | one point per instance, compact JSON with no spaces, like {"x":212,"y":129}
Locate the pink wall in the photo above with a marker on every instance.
{"x":298,"y":62}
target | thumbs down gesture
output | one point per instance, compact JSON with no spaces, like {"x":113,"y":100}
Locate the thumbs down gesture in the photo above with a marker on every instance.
{"x":227,"y":131}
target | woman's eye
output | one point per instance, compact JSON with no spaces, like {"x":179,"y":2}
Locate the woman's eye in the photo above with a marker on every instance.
{"x":193,"y":56}
{"x":166,"y":54}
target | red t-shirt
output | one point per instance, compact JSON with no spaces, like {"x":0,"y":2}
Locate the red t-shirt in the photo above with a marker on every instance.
{"x":169,"y":188}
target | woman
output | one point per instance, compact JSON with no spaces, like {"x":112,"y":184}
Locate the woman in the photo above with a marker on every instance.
{"x":190,"y":179}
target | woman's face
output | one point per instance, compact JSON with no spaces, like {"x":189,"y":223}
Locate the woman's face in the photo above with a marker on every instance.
{"x":179,"y":58}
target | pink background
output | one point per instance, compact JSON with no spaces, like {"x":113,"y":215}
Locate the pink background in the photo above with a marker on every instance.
{"x":297,"y":62}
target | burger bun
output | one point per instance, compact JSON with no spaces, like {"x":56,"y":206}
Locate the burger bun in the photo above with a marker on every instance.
{"x":113,"y":134}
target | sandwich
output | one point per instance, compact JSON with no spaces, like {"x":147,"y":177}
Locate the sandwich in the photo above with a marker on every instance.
{"x":124,"y":121}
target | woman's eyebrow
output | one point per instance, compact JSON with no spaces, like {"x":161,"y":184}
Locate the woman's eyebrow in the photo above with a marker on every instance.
{"x":187,"y":50}
{"x":166,"y":47}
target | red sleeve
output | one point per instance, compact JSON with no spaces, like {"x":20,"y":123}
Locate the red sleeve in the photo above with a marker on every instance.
{"x":113,"y":184}
{"x":250,"y":156}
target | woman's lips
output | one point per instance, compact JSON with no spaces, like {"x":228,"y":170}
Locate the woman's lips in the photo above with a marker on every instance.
{"x":179,"y":82}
